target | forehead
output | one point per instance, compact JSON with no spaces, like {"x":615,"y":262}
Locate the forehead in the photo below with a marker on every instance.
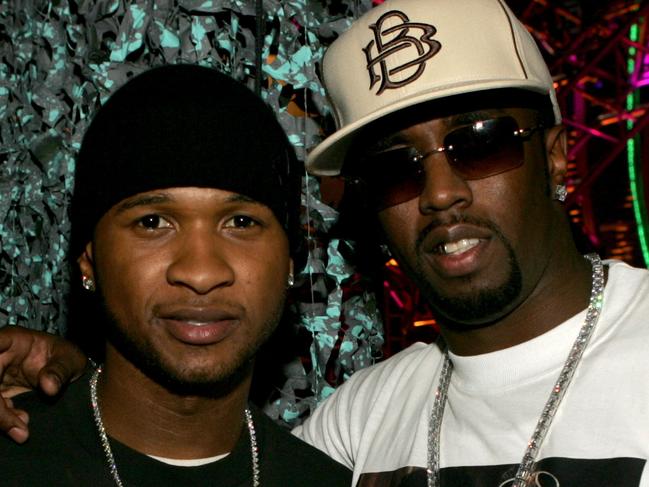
{"x":185,"y":196}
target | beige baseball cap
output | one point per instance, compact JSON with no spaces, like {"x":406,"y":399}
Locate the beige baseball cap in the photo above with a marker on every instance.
{"x":406,"y":52}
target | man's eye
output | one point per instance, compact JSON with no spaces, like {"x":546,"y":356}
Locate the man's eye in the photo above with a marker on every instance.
{"x":240,"y":221}
{"x":153,"y":222}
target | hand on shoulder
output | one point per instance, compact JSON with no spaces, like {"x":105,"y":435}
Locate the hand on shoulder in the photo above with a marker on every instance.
{"x":32,"y":359}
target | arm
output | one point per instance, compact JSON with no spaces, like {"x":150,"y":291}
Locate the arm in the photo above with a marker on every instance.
{"x":328,"y":428}
{"x":337,"y":426}
{"x":30,"y":359}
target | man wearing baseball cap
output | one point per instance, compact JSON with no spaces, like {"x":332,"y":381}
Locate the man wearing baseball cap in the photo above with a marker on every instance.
{"x":449,"y":136}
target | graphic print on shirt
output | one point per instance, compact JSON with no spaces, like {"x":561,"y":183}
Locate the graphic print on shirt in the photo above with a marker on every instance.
{"x":550,"y":472}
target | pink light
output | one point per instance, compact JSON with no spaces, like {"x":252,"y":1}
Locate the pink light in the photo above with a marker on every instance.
{"x":394,"y":295}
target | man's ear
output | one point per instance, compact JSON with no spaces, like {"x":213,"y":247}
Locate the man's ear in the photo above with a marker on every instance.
{"x":86,"y":262}
{"x":557,"y":155}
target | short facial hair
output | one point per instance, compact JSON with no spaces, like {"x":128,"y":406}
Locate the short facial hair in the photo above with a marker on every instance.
{"x":219,"y":383}
{"x":480,"y":306}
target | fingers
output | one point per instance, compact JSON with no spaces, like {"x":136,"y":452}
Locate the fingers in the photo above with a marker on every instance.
{"x":16,"y":344}
{"x":65,"y":364}
{"x":19,"y":435}
{"x":27,"y":359}
{"x":13,"y":421}
{"x":13,"y":391}
{"x":36,"y":359}
{"x":5,"y":342}
{"x":52,"y":377}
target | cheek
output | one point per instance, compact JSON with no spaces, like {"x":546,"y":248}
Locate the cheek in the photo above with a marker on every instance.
{"x":518,"y":204}
{"x":263,"y":275}
{"x":260,"y":289}
{"x":127,"y":278}
{"x":399,"y":224}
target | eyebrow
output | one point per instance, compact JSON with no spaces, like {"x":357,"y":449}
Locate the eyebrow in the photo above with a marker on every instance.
{"x":158,"y":198}
{"x":472,"y":117}
{"x":144,"y":200}
{"x":240,"y":198}
{"x":388,"y":142}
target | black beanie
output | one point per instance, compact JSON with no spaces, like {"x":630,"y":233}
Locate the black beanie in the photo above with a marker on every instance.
{"x":184,"y":126}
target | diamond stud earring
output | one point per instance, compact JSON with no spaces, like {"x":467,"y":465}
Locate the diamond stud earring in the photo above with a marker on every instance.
{"x":560,"y":192}
{"x":87,"y":283}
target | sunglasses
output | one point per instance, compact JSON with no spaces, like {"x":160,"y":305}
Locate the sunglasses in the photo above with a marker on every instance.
{"x":475,"y":151}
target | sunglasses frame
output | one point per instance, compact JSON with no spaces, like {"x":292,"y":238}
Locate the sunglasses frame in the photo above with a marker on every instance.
{"x":524,"y":134}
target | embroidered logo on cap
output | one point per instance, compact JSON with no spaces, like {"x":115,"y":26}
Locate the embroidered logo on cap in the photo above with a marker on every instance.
{"x":390,"y":40}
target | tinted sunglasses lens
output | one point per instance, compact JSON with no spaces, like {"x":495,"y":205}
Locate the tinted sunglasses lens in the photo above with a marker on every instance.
{"x":393,"y":177}
{"x":485,"y":148}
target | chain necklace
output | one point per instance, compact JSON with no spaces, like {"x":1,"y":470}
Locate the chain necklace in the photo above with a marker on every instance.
{"x":526,"y":467}
{"x":108,"y":452}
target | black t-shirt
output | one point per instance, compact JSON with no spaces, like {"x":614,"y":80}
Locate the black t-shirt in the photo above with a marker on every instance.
{"x":64,"y":450}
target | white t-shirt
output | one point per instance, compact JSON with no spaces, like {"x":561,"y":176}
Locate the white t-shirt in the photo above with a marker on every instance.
{"x":377,"y":422}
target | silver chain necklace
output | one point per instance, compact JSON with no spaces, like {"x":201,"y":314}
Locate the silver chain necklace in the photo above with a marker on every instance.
{"x":526,"y":467}
{"x":108,"y":452}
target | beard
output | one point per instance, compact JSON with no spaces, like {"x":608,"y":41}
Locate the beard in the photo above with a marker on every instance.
{"x":183,"y":380}
{"x":477,"y":306}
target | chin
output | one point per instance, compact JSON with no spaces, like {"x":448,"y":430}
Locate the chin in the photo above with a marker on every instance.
{"x":481,"y":306}
{"x":196,"y":371}
{"x":213,"y":375}
{"x":209,"y":381}
{"x":188,"y":370}
{"x":477,"y":306}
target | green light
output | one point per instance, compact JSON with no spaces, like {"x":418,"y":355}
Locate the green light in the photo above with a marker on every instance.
{"x":633,"y":150}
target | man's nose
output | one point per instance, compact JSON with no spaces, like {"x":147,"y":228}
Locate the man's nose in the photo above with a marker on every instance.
{"x":201,"y":262}
{"x":443,"y":187}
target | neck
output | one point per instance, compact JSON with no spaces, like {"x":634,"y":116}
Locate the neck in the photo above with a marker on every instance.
{"x":561,"y":291}
{"x":149,"y":418}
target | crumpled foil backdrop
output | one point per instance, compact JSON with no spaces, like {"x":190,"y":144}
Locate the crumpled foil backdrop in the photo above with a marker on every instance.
{"x":62,"y":59}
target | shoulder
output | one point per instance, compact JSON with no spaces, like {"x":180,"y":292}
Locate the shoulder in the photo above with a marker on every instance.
{"x":53,"y":422}
{"x":287,"y":457}
{"x":44,"y":413}
{"x":410,"y":364}
{"x":42,"y":455}
{"x":620,"y":272}
{"x":375,"y":385}
{"x":377,"y":392}
{"x":625,"y":279}
{"x":627,"y":290}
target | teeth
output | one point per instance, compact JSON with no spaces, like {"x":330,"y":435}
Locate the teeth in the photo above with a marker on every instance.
{"x":459,"y":246}
{"x":196,"y":323}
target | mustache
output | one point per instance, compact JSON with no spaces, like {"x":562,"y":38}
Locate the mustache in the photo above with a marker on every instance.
{"x":198,"y":302}
{"x":456,"y":219}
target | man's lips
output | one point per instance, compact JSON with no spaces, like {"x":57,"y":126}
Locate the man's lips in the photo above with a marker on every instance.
{"x":455,"y":250}
{"x":453,"y":239}
{"x":197,"y":315}
{"x":199,"y":326}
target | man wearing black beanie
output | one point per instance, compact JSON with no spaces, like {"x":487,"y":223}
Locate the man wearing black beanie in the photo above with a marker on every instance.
{"x":185,"y":231}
